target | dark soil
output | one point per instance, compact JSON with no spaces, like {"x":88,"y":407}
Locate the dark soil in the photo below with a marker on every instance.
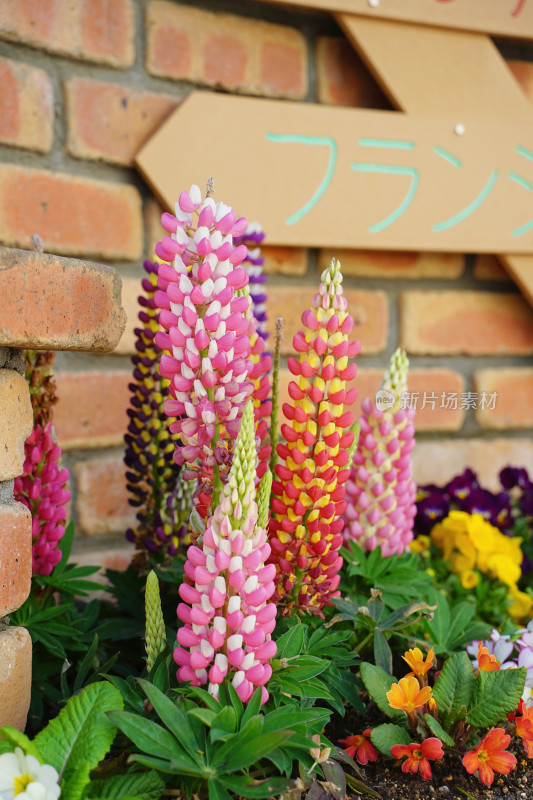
{"x":450,"y":781}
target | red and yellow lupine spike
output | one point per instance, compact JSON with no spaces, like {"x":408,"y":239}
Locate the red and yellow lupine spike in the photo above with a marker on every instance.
{"x":308,"y":495}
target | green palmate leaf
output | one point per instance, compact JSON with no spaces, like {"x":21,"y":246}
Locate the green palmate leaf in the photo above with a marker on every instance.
{"x":147,"y":785}
{"x":382,"y":652}
{"x":246,"y":753}
{"x":290,"y":644}
{"x":79,"y":737}
{"x":378,"y":683}
{"x":494,"y":695}
{"x":174,"y":718}
{"x":437,"y":730}
{"x":400,"y":617}
{"x":453,"y":688}
{"x":217,"y":791}
{"x":387,"y":735}
{"x":244,"y":786}
{"x":150,"y":737}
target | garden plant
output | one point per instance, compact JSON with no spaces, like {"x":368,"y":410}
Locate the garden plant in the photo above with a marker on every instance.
{"x":286,"y":568}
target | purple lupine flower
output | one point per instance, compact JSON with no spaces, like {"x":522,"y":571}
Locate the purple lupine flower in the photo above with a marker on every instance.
{"x":252,"y":238}
{"x":152,"y":474}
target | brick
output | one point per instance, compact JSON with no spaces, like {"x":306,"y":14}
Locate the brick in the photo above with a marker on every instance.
{"x":512,"y":406}
{"x":131,"y":289}
{"x":390,"y":264}
{"x":89,"y":30}
{"x":369,"y":310}
{"x":74,"y":216}
{"x":224,"y":50}
{"x":284,"y":260}
{"x":474,"y":323}
{"x":16,"y":422}
{"x":110,"y":122}
{"x":429,"y":381}
{"x":489,"y":268}
{"x":15,"y":556}
{"x":15,"y":676}
{"x":439,"y":460}
{"x":102,"y":499}
{"x":26,"y":106}
{"x":91,"y":411}
{"x":55,"y":303}
{"x":342,"y":78}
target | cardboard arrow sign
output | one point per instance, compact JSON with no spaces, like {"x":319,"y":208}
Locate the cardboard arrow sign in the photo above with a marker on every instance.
{"x":513,"y":18}
{"x":319,"y":176}
{"x":447,"y":73}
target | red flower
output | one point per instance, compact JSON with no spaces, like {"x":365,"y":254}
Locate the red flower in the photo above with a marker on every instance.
{"x":524,"y":728}
{"x":419,"y":756}
{"x":490,"y":756}
{"x":360,"y":747}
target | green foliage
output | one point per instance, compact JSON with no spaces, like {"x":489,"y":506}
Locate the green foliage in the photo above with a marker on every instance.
{"x":303,"y":655}
{"x":79,"y":737}
{"x":378,"y":683}
{"x":209,"y":745}
{"x":451,"y":629}
{"x":437,"y":730}
{"x":146,"y":785}
{"x":399,"y":578}
{"x":387,"y":735}
{"x":453,"y":688}
{"x":494,"y":695}
{"x":378,"y":625}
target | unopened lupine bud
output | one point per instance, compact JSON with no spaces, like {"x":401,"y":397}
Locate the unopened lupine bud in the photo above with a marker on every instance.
{"x":308,"y":495}
{"x":156,"y":637}
{"x":381,"y":492}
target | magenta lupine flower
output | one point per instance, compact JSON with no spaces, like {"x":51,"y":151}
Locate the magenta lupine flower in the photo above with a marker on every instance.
{"x":381,"y":492}
{"x":226,"y":614}
{"x":207,"y":348}
{"x":42,"y":488}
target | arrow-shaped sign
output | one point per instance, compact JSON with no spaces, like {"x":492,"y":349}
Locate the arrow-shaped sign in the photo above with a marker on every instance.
{"x":513,"y":18}
{"x":321,"y":176}
{"x":439,"y":71}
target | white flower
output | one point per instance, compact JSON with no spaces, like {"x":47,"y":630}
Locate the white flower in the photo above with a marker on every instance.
{"x":24,"y":778}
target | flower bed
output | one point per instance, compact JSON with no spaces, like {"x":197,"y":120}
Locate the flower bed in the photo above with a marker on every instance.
{"x":305,"y":569}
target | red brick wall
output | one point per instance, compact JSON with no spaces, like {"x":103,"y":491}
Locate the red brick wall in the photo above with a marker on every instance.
{"x":83,"y":83}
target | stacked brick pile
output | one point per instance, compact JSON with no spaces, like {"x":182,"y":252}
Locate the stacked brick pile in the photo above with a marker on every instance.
{"x":48,"y":302}
{"x":83,"y":85}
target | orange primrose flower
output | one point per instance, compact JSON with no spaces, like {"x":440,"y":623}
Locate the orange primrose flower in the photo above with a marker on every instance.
{"x":524,"y":728}
{"x":419,"y":756}
{"x":360,"y":747}
{"x":486,"y":662}
{"x":407,"y":695}
{"x":490,"y":756}
{"x":415,"y":659}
